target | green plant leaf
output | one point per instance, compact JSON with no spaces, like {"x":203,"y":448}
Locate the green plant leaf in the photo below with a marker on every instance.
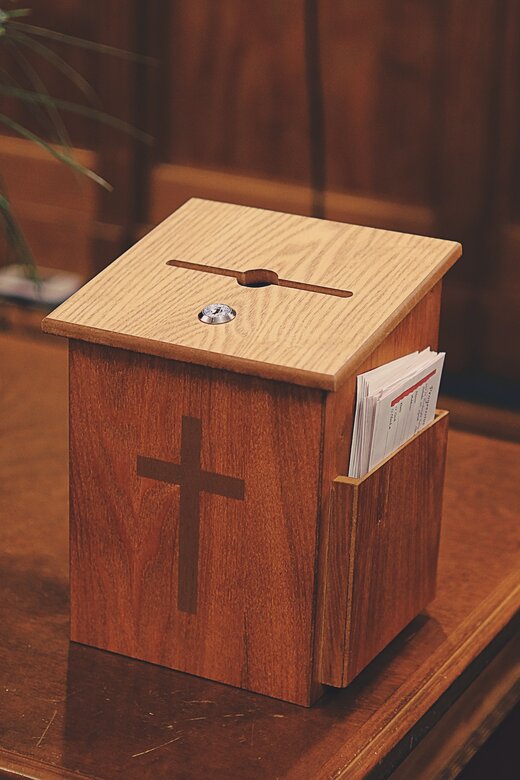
{"x":59,"y":63}
{"x":49,"y":107}
{"x":15,"y":238}
{"x":76,"y":108}
{"x":82,"y":43}
{"x":22,"y":34}
{"x":59,"y":155}
{"x":16,"y":13}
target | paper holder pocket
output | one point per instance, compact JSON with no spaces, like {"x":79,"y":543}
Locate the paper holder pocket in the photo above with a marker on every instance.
{"x":380,"y":560}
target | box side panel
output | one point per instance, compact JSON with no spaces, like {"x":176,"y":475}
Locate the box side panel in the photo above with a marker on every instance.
{"x":417,"y":331}
{"x":194,"y":500}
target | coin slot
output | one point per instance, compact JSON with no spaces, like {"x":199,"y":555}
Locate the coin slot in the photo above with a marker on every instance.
{"x":260,"y":277}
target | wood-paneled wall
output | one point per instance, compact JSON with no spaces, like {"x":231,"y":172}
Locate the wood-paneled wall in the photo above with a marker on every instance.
{"x":421,"y":124}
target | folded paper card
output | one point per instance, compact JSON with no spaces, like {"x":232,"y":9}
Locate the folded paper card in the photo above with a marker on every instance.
{"x":393,"y":403}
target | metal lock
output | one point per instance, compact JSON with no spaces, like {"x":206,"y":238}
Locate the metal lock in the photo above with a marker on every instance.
{"x":217,"y":314}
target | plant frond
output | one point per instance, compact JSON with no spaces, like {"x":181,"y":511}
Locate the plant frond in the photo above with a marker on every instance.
{"x":59,"y":63}
{"x":56,"y":122}
{"x":16,"y":240}
{"x":76,"y":108}
{"x":82,"y":43}
{"x":24,"y":132}
{"x":6,"y":16}
{"x":16,"y":13}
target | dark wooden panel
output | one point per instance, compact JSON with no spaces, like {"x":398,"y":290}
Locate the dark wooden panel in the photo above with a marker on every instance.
{"x":405,"y":120}
{"x":471,"y":37}
{"x":236,"y":87}
{"x":379,"y":71}
{"x":251,"y":622}
{"x":500,"y":281}
{"x":122,"y":84}
{"x":504,"y":200}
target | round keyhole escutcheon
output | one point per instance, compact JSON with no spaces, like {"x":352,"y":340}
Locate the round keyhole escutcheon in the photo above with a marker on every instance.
{"x":217,"y":314}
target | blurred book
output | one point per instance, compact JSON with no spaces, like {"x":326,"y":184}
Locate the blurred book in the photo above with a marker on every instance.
{"x":393,"y":403}
{"x":49,"y":289}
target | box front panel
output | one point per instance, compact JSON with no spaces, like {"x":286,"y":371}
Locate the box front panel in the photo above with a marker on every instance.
{"x":194,"y":496}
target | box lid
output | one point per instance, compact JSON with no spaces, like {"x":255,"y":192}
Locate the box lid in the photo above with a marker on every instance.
{"x":336,"y":291}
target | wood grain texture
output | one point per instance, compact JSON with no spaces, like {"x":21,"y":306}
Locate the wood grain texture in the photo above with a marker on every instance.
{"x":380,"y":62}
{"x":114,"y":714}
{"x":143,"y":304}
{"x":264,"y":44}
{"x":252,"y":624}
{"x":388,"y":549}
{"x":122,"y":89}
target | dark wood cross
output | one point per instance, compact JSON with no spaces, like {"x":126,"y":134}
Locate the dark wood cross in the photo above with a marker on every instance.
{"x":191,"y":480}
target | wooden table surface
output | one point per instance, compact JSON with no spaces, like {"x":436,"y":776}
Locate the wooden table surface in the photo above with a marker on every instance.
{"x":73,"y":711}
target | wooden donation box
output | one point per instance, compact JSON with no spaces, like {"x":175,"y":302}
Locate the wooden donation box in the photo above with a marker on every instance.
{"x":212,"y":390}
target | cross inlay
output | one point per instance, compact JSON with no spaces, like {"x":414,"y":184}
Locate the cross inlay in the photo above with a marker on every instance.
{"x":192,"y":480}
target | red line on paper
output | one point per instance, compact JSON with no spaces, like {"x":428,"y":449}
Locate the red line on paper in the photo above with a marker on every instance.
{"x":413,"y":388}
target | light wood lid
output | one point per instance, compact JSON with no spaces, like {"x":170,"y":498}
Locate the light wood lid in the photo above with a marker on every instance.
{"x":141,"y":303}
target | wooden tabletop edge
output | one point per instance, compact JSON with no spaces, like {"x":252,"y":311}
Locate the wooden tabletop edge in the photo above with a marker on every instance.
{"x":504,"y":603}
{"x":25,"y":766}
